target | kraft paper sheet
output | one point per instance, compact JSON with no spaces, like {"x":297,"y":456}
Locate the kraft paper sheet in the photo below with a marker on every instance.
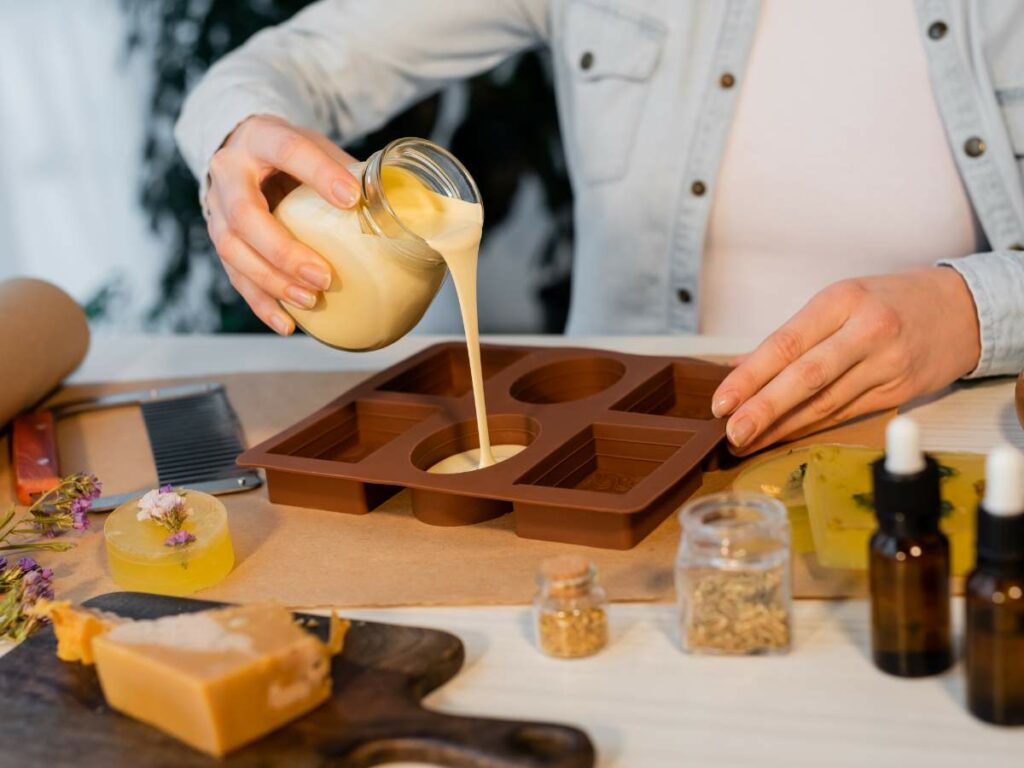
{"x":303,"y":557}
{"x":45,"y":337}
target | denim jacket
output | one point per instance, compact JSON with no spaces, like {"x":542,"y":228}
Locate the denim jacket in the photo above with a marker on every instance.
{"x":644,"y":118}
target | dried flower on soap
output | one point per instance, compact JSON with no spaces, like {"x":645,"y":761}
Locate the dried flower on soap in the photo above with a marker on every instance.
{"x":179,"y":539}
{"x":170,"y":510}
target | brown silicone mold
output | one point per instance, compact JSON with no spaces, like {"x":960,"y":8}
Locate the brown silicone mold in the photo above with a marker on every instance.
{"x":614,"y":442}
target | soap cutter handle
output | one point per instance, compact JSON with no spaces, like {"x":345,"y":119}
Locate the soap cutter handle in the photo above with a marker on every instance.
{"x":34,"y":452}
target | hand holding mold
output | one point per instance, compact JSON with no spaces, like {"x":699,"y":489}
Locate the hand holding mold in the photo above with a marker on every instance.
{"x":858,"y":346}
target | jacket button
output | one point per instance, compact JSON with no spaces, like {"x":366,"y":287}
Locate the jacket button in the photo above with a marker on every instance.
{"x":685,"y":297}
{"x":586,"y":60}
{"x":974,"y":147}
{"x":937,"y":30}
{"x":698,"y":188}
{"x":727,"y":80}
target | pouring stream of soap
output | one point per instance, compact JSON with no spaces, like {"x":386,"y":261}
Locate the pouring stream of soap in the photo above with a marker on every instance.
{"x":453,"y":228}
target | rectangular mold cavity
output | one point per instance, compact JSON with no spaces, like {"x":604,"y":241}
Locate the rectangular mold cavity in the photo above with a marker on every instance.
{"x":446,"y":373}
{"x":682,"y":390}
{"x":607,"y":458}
{"x":355,"y":431}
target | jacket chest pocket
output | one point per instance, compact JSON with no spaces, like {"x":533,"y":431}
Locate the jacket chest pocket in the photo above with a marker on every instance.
{"x":1011,"y":103}
{"x":611,"y":53}
{"x":1011,"y":100}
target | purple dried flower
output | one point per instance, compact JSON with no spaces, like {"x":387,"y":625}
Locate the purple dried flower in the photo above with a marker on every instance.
{"x":27,"y":564}
{"x":49,"y":530}
{"x":3,"y":563}
{"x":179,"y":539}
{"x":80,"y":514}
{"x":36,"y":584}
{"x":166,"y":489}
{"x":86,"y":486}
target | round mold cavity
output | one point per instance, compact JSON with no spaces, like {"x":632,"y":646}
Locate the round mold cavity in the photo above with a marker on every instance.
{"x":505,"y":429}
{"x":568,"y":380}
{"x":437,"y":507}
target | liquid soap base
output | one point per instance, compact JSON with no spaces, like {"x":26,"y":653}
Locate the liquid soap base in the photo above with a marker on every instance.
{"x":469,"y":461}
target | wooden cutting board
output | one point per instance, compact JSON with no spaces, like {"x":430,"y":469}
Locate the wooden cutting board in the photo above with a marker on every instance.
{"x":53,"y":714}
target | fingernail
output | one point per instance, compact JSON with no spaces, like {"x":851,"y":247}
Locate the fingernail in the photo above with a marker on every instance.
{"x":740,"y":431}
{"x":300,"y":297}
{"x":316,"y":276}
{"x":345,"y":194}
{"x":279,"y":324}
{"x":724,"y":405}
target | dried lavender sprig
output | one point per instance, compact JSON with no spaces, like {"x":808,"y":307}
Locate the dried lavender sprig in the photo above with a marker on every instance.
{"x":62,"y":508}
{"x":24,"y":583}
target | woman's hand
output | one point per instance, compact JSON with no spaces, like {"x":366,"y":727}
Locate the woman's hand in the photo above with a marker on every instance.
{"x":858,"y":346}
{"x":262,"y":160}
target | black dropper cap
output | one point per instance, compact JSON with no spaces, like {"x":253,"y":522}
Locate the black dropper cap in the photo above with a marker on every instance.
{"x":1001,"y":514}
{"x":1000,"y":539}
{"x":907,"y":504}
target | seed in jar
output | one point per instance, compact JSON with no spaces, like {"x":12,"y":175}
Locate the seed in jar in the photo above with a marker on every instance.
{"x":573,"y":633}
{"x":735,"y":611}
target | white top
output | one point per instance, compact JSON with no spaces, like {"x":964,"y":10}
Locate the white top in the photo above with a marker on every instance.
{"x":837,"y":164}
{"x":1004,"y":482}
{"x":903,"y":447}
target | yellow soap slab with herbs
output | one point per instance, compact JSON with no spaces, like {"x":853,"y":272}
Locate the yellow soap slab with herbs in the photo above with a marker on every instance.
{"x":217,"y":679}
{"x":143,"y":557}
{"x":837,"y":488}
{"x":782,"y":478}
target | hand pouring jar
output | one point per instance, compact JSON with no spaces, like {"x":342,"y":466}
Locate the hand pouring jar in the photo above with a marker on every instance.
{"x":384,"y":275}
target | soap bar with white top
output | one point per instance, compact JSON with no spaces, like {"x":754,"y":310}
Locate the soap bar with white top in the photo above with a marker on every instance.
{"x":216,"y":679}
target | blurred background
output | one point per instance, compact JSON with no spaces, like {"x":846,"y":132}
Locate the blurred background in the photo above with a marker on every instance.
{"x":94,"y":196}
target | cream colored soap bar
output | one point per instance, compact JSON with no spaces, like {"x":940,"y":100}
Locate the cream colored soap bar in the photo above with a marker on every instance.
{"x":217,"y":679}
{"x":75,"y":628}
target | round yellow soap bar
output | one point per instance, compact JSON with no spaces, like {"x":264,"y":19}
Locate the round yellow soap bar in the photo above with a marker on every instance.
{"x":141,"y":561}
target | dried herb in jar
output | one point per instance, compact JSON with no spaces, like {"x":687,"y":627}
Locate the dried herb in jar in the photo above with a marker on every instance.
{"x":735,"y":611}
{"x":732,"y":575}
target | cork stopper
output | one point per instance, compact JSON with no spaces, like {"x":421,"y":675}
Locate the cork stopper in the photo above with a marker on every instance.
{"x":565,"y":568}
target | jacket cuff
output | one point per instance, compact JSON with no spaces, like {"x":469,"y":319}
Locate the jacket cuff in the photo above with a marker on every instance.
{"x":996,"y":281}
{"x":207,"y":120}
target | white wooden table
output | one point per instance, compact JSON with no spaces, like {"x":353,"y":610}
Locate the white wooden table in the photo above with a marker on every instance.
{"x":644,"y":703}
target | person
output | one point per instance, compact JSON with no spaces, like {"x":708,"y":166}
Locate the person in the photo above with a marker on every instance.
{"x":850,"y":173}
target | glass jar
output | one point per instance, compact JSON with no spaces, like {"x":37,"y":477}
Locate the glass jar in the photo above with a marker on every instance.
{"x":733,"y":575}
{"x":384,"y":275}
{"x":570,"y":610}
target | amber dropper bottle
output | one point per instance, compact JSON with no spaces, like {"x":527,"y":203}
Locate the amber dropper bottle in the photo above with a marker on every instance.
{"x":994,"y":642}
{"x":909,"y":560}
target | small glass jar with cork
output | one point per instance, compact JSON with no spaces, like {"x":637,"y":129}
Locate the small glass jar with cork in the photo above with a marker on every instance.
{"x":733,"y":575}
{"x":570,"y":610}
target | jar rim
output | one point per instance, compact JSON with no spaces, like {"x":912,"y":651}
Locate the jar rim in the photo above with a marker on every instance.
{"x":733,"y":516}
{"x":572,"y":583}
{"x":446,"y":173}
